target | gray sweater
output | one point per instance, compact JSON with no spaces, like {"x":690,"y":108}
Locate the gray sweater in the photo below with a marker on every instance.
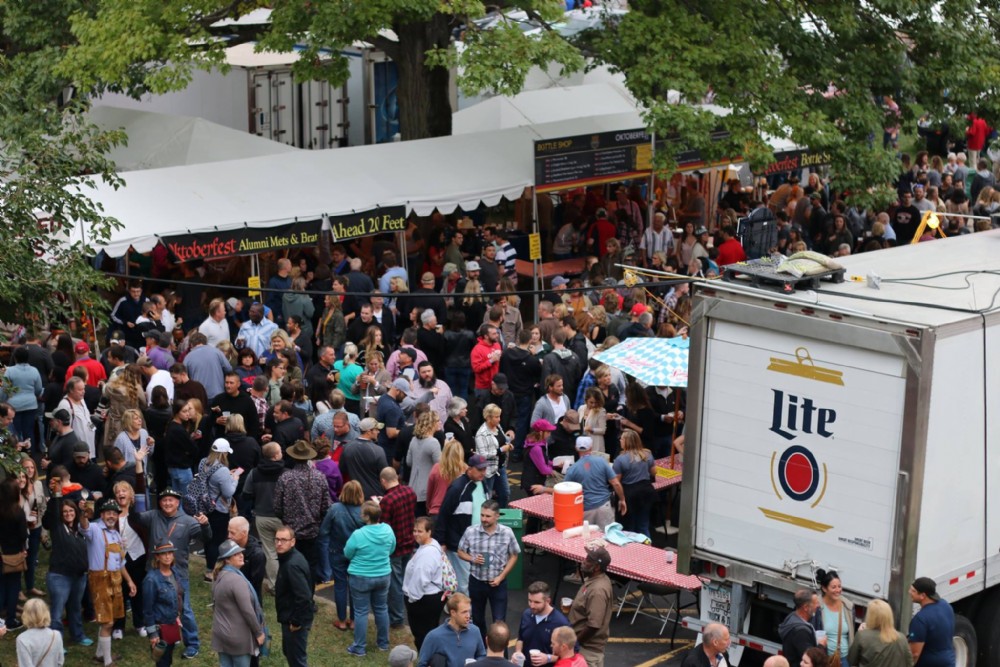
{"x":32,"y":645}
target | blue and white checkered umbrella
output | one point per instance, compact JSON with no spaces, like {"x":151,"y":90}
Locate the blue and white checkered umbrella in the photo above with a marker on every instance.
{"x":660,"y":362}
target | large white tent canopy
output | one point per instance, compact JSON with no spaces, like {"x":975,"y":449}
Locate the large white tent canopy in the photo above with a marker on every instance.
{"x":158,"y":140}
{"x":432,"y":174}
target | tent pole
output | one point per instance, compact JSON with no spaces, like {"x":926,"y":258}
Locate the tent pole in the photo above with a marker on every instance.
{"x":534,"y":227}
{"x":401,"y":239}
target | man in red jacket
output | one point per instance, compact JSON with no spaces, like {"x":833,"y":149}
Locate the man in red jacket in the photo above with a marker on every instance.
{"x":485,"y":359}
{"x":730,"y":250}
{"x":975,"y":136}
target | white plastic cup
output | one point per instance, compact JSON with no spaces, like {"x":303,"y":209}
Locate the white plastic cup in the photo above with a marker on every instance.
{"x":670,"y":556}
{"x":449,"y":436}
{"x":820,"y":635}
{"x":533,"y":652}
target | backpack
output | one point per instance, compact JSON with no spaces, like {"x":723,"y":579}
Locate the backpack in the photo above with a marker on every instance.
{"x":197,"y":499}
{"x":449,"y":580}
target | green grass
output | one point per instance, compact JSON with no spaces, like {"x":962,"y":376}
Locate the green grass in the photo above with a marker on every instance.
{"x":327,"y":645}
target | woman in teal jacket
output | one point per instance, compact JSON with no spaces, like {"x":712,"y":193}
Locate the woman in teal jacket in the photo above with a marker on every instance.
{"x":369,"y":549}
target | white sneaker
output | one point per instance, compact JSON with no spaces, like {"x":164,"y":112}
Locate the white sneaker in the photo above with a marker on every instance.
{"x":117,"y":634}
{"x":142,"y":632}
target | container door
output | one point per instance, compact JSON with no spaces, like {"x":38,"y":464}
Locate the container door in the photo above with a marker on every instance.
{"x":800,"y":453}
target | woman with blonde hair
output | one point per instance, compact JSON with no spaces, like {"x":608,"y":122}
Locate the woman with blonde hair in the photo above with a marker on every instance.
{"x":229,"y":352}
{"x":33,"y":503}
{"x":133,"y":436}
{"x":635,"y":467}
{"x":341,"y":520}
{"x":374,"y":381}
{"x":350,"y":370}
{"x":879,"y":644}
{"x":594,"y":418}
{"x":39,"y":645}
{"x":423,"y":453}
{"x":332,"y":328}
{"x":372,"y":343}
{"x":221,"y":483}
{"x":443,"y":473}
{"x":135,"y":550}
{"x":124,"y":392}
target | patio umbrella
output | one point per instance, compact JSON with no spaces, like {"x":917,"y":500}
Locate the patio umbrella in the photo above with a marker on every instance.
{"x":660,"y":362}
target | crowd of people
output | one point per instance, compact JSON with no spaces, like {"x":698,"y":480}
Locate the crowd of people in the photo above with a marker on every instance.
{"x":339,"y":427}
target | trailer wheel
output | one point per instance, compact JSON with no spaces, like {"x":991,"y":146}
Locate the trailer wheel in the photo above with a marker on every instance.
{"x":965,"y":642}
{"x":988,"y":631}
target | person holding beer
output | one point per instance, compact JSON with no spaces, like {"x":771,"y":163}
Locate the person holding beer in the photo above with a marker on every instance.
{"x":539,"y":620}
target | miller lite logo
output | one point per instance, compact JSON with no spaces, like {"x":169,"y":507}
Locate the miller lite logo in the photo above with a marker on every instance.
{"x":797,"y":476}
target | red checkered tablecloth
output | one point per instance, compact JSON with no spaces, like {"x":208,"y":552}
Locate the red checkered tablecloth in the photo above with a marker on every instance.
{"x":641,"y":562}
{"x":540,"y":506}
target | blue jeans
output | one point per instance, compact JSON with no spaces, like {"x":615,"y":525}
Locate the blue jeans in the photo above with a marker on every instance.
{"x":341,"y":590}
{"x":480,"y":592}
{"x":370,"y":592}
{"x":397,"y":607}
{"x":499,"y":486}
{"x":34,"y":542}
{"x":458,"y":380}
{"x":294,"y":645}
{"x":10,"y":586}
{"x":227,"y":660}
{"x":325,"y":568}
{"x":189,"y":626}
{"x":461,"y":568}
{"x":180,"y":478}
{"x":66,"y":594}
{"x":525,"y":405}
{"x":24,"y":426}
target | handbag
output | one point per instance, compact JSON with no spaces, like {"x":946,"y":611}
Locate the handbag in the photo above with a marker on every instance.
{"x":14,"y":563}
{"x":170,"y":634}
{"x":834,"y":660}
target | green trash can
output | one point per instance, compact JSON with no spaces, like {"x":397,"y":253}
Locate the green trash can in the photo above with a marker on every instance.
{"x":514,"y":519}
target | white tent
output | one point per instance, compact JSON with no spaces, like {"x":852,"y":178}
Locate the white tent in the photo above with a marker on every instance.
{"x":544,"y":106}
{"x":442,"y":173}
{"x":158,"y":140}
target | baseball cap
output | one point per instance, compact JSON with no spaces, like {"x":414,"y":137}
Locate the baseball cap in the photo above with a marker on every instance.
{"x":222,"y":446}
{"x":477,"y":461}
{"x":64,"y":417}
{"x":472,"y":266}
{"x":558,"y":281}
{"x":926,"y":586}
{"x":402,"y":656}
{"x":81,"y":348}
{"x":816,"y":195}
{"x":638,"y":309}
{"x":600,"y":556}
{"x":152,"y":333}
{"x":428,"y":277}
{"x":500,"y":380}
{"x":117,"y":338}
{"x":542,"y":425}
{"x":170,"y":493}
{"x":144,"y":362}
{"x":369,"y":424}
{"x":81,"y":448}
{"x":401,"y":384}
{"x":700,"y":231}
{"x":584,"y":443}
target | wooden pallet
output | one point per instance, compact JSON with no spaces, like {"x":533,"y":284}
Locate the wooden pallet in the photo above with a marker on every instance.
{"x":762,"y":273}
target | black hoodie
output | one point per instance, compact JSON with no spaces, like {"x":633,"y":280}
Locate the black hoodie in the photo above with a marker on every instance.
{"x":523,"y":370}
{"x":260,"y":486}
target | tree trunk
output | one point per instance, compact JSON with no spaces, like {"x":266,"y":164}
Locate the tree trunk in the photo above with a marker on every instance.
{"x":423,"y":92}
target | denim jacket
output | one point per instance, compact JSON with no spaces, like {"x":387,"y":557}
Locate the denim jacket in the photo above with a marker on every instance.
{"x":159,"y":600}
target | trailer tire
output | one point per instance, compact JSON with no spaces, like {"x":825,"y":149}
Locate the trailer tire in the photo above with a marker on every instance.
{"x":988,"y":631}
{"x":964,"y":642}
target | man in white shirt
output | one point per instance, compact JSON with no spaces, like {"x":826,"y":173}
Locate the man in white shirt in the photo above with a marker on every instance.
{"x":216,"y":326}
{"x":157,"y":378}
{"x":658,"y":238}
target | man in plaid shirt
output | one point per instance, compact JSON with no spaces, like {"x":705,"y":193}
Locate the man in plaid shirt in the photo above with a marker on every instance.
{"x":492,"y":550}
{"x":398,"y":510}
